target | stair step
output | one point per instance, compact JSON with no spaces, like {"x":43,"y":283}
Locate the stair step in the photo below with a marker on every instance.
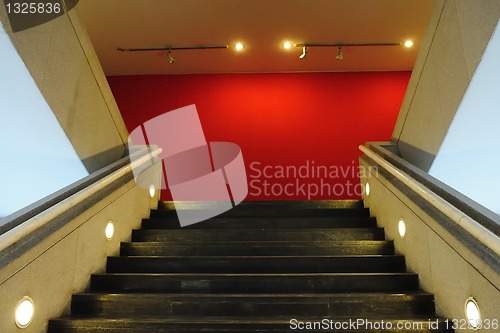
{"x":266,"y":204}
{"x":252,"y":222}
{"x":305,"y":305}
{"x":271,"y":235}
{"x":254,"y":283}
{"x":257,"y":248}
{"x":260,"y":267}
{"x":246,"y":324}
{"x":258,"y":264}
{"x":273,"y":211}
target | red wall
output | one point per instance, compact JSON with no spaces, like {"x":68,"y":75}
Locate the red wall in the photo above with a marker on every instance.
{"x":281,"y":122}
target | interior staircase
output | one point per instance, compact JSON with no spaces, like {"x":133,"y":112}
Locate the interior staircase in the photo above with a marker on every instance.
{"x":260,"y":267}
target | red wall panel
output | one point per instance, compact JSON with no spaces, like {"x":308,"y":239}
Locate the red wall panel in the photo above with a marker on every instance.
{"x":299,"y":132}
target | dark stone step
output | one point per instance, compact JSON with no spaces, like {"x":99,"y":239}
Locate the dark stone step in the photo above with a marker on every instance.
{"x":263,"y":204}
{"x":258,"y":264}
{"x":76,"y":324}
{"x":254,"y":283}
{"x":263,"y":235}
{"x":254,"y":269}
{"x":273,"y":212}
{"x":267,"y":305}
{"x":276,"y":222}
{"x":257,"y":248}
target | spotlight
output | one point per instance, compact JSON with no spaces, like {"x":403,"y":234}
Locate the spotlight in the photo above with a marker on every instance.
{"x":171,"y":59}
{"x":287,"y":45}
{"x":239,"y":46}
{"x":340,"y":55}
{"x":408,"y":43}
{"x":304,"y":53}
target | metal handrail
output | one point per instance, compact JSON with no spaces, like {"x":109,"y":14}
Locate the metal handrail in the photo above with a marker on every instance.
{"x":12,"y":236}
{"x":474,"y":228}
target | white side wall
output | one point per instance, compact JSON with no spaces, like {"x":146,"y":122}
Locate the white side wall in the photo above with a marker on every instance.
{"x":63,"y":63}
{"x":457,"y":35}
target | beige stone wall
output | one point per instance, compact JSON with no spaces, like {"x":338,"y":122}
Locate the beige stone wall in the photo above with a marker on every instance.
{"x":61,"y":264}
{"x":63,"y":63}
{"x":457,"y":35}
{"x":446,"y":267}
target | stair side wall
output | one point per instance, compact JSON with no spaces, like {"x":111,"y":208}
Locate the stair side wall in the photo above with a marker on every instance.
{"x":446,"y":267}
{"x":62,"y":263}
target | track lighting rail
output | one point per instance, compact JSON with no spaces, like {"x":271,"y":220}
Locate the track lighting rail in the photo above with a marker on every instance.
{"x":338,"y":44}
{"x":166,"y":48}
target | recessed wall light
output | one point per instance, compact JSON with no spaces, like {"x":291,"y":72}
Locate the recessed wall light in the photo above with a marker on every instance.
{"x":408,"y":43}
{"x":287,"y":45}
{"x":472,"y":313}
{"x":152,"y":191}
{"x":239,"y":46}
{"x":110,"y":230}
{"x":367,"y":189}
{"x":402,"y":228}
{"x":24,"y":313}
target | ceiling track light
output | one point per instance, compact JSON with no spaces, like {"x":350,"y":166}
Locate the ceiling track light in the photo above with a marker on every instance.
{"x":346,"y":44}
{"x":170,"y":58}
{"x":340,"y":55}
{"x":239,"y":46}
{"x":304,"y":53}
{"x":170,"y":48}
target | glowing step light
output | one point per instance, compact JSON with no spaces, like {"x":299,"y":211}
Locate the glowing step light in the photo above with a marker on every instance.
{"x":472,"y":313}
{"x":24,"y":313}
{"x":402,"y":228}
{"x":110,"y":230}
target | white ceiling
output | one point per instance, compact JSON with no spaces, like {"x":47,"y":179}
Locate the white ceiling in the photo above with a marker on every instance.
{"x":262,"y":25}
